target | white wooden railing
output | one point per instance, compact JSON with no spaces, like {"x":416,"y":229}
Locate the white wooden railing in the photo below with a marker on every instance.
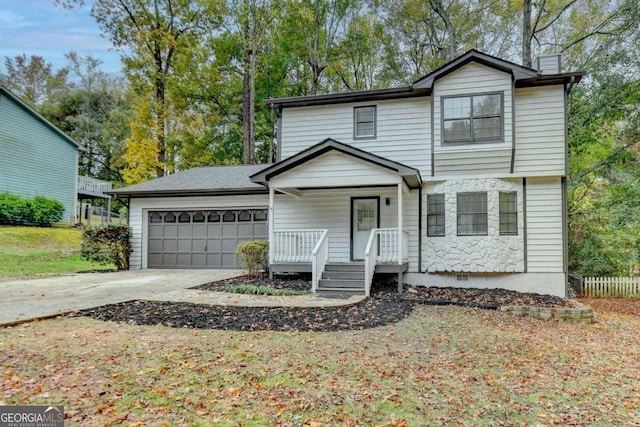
{"x":295,"y":245}
{"x":612,"y":286}
{"x":370,"y":255}
{"x":93,"y":187}
{"x":319,"y":258}
{"x":382,"y":247}
{"x":388,"y":243}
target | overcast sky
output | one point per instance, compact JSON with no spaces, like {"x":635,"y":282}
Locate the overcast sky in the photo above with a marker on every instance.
{"x":39,"y":27}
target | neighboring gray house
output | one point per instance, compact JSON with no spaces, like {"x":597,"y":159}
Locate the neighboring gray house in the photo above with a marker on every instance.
{"x":456,"y":180}
{"x":36,"y":158}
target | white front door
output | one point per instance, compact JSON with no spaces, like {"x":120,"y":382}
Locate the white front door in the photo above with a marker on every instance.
{"x":364,"y":218}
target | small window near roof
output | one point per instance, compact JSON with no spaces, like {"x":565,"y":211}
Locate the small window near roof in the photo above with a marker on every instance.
{"x":364,"y":122}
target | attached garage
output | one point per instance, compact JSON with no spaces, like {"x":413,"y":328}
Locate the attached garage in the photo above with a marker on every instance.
{"x":201,"y":239}
{"x":195,"y":218}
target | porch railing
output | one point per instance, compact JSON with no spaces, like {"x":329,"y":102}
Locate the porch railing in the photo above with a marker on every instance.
{"x":319,"y":258}
{"x":382,"y":247}
{"x":295,"y":245}
{"x":388,"y":246}
{"x":370,"y":253}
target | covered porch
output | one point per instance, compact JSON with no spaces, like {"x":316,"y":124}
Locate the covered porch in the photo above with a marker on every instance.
{"x":339,"y":213}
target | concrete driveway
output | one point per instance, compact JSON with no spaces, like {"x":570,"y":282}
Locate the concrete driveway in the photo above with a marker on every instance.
{"x":22,"y":300}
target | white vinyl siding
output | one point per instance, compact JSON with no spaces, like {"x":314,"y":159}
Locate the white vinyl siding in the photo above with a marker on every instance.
{"x":402,"y":130}
{"x":473,"y":162}
{"x":544,"y":225}
{"x":336,"y":170}
{"x":139,"y":207}
{"x":540,"y":131}
{"x":473,"y":159}
{"x":331,"y":209}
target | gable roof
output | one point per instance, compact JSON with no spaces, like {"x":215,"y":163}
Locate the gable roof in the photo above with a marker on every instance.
{"x":522,"y":76}
{"x":202,"y":181}
{"x":4,"y":91}
{"x":518,"y":71}
{"x":410,"y":175}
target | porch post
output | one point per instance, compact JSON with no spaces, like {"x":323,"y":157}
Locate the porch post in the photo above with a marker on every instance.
{"x":400,"y":236}
{"x":270,"y":225}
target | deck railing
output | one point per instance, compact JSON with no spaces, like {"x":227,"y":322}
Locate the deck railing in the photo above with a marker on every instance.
{"x":319,"y":258}
{"x":295,"y":245}
{"x":93,"y":187}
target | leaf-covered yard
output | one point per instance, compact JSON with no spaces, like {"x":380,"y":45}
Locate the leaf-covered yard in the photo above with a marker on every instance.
{"x":439,"y":366}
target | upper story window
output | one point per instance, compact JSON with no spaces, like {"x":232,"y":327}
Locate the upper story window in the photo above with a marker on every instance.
{"x":364,"y":122}
{"x":473,"y":118}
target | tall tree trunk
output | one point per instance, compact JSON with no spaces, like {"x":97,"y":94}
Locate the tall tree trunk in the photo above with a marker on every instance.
{"x":246,"y":91}
{"x":160,"y":124}
{"x":527,"y":33}
{"x":438,"y":8}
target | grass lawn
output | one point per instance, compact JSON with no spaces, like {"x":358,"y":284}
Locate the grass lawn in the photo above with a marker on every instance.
{"x":35,"y":251}
{"x":440,"y":366}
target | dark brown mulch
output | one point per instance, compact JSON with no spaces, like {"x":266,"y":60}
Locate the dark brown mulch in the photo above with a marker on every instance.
{"x":480,"y":298}
{"x":377,"y":311}
{"x":384,"y":307}
{"x":295,"y":282}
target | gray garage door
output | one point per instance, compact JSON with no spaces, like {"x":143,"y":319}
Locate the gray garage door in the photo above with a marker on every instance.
{"x":202,"y":239}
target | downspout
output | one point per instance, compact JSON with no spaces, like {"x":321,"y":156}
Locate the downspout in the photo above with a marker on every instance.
{"x":513,"y":123}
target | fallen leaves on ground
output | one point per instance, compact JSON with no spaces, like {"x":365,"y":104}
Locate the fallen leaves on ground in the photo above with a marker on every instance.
{"x":438,"y":366}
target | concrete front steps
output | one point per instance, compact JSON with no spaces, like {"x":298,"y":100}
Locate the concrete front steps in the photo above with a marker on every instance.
{"x":342,"y":278}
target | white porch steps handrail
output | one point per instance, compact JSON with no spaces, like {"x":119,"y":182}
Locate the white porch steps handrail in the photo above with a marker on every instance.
{"x":370,"y":260}
{"x":382,"y":247}
{"x":319,"y":258}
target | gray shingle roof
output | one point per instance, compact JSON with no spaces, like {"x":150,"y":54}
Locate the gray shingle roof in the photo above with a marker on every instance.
{"x":199,"y":181}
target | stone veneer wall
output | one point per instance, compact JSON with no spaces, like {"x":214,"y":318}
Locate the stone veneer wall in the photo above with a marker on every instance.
{"x":490,"y":253}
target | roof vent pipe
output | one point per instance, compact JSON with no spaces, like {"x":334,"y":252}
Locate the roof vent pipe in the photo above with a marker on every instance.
{"x":549,"y":64}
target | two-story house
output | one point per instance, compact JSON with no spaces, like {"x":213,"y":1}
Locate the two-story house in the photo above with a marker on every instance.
{"x":456,"y":180}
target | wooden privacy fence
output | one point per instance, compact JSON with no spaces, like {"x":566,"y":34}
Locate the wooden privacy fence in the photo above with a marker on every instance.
{"x":612,"y":286}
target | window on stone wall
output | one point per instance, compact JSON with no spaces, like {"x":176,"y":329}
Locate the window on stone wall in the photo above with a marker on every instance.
{"x":508,"y":213}
{"x":472,"y":214}
{"x":435,"y":215}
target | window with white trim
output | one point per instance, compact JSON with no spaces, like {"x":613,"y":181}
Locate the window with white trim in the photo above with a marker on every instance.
{"x":364,"y":122}
{"x":472,"y":118}
{"x":435,"y":215}
{"x":508,"y":213}
{"x":472,"y":214}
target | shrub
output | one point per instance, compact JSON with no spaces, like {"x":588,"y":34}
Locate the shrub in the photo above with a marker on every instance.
{"x":45,"y":211}
{"x":20,"y":210}
{"x":246,"y":288}
{"x":107,"y":243}
{"x":12,"y":208}
{"x":253,"y":256}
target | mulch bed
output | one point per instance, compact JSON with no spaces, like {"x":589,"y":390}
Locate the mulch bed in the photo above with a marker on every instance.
{"x":384,"y":307}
